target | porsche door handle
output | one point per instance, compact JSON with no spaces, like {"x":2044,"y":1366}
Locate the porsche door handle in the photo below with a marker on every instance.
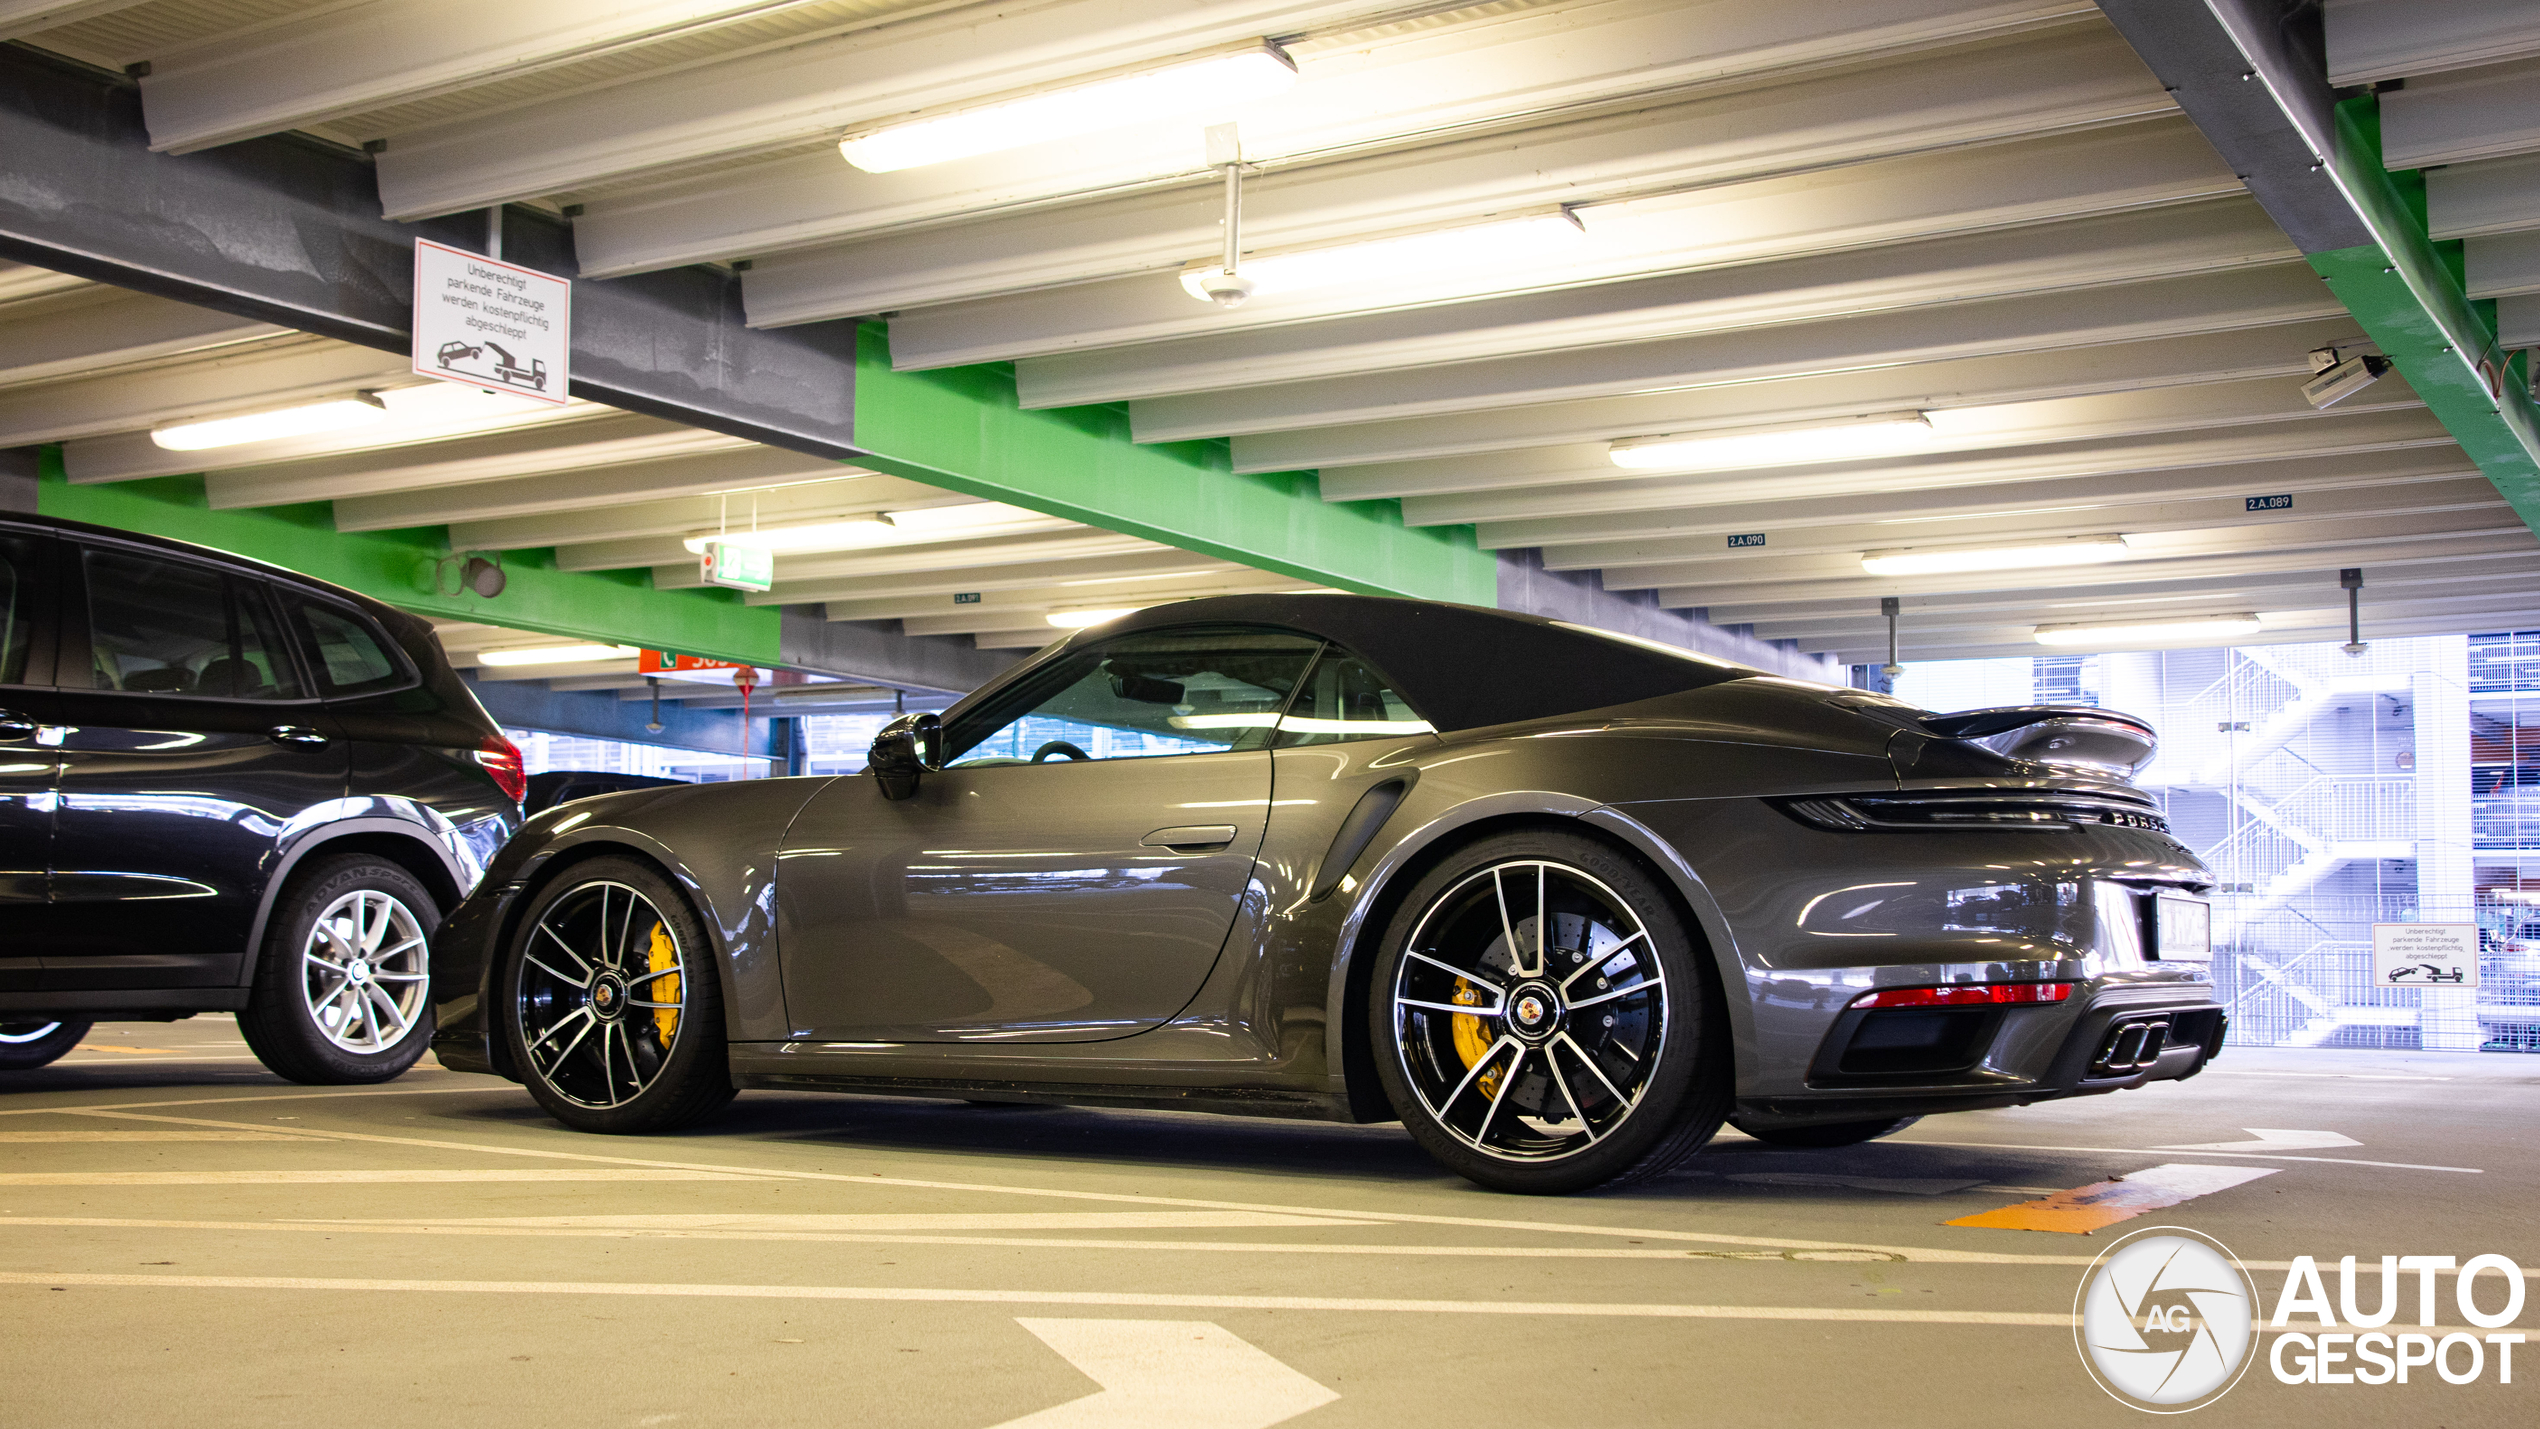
{"x":1191,"y":836}
{"x":296,"y":734}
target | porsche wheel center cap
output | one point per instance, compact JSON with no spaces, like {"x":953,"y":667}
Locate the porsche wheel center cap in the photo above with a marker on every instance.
{"x":607,"y":997}
{"x":1535,"y":1010}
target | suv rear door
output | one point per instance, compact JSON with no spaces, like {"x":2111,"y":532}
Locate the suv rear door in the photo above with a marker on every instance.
{"x":192,"y":749}
{"x":27,"y":763}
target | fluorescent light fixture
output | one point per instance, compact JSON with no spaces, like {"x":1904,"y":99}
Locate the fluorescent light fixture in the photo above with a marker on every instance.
{"x":881,"y":528}
{"x":1079,"y":619}
{"x":1885,"y":434}
{"x":1502,"y":245}
{"x":300,"y":420}
{"x":2150,"y":632}
{"x":556,"y":654}
{"x":1194,"y":85}
{"x":2078,"y":551}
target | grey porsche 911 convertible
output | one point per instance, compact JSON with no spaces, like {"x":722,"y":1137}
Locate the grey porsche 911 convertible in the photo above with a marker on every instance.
{"x":1560,"y":901}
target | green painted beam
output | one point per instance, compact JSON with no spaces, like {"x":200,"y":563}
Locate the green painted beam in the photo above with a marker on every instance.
{"x":2407,"y":292}
{"x":618,"y":607}
{"x":962,"y":429}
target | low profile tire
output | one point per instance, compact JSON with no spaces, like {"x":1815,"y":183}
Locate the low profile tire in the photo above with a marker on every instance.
{"x":32,"y":1043}
{"x":1547,"y":1063}
{"x":1830,"y":1134}
{"x":609,"y":1003}
{"x":343,"y":990}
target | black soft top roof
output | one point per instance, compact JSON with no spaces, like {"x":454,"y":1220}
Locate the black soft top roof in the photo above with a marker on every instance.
{"x":1461,"y":666}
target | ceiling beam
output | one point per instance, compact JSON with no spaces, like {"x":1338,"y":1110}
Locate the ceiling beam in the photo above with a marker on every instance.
{"x":2109,"y":169}
{"x":1098,"y":576}
{"x":502,"y":523}
{"x":1487,"y":73}
{"x":571,"y":493}
{"x":1709,"y":562}
{"x":275,"y":371}
{"x":344,"y":59}
{"x":667,"y":550}
{"x":1995,"y":328}
{"x":2374,"y":40}
{"x":808,"y":90}
{"x":2013,"y":88}
{"x":2357,"y":551}
{"x":30,"y":17}
{"x":2463,"y":116}
{"x":2201,"y":511}
{"x":2168,"y":242}
{"x":2476,"y":200}
{"x":2262,"y":459}
{"x":621,"y":438}
{"x":1954,"y":384}
{"x":1037,"y":601}
{"x":809,"y":572}
{"x":2319,"y":596}
{"x":2325,"y":627}
{"x":83,"y":332}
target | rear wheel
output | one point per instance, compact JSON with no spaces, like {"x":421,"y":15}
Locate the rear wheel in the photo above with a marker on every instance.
{"x":610,"y":1004}
{"x":343,"y":989}
{"x":1541,"y":1021}
{"x":29,"y":1044}
{"x":1830,"y":1134}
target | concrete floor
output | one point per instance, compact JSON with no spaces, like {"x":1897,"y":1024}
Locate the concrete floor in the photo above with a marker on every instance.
{"x":185,"y":1239}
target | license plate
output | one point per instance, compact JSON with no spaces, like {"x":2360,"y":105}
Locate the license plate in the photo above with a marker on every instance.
{"x":2184,"y":927}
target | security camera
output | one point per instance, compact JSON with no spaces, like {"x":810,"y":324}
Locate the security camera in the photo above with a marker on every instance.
{"x":1226,"y":290}
{"x":2341,"y":380}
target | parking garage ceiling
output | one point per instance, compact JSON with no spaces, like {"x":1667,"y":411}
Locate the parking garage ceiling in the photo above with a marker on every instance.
{"x":1985,"y":222}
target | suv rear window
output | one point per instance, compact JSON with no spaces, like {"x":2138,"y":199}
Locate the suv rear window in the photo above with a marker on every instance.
{"x":162,"y":627}
{"x":353,"y":657}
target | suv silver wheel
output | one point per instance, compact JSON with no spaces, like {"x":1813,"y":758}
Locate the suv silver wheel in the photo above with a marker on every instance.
{"x":365,"y":971}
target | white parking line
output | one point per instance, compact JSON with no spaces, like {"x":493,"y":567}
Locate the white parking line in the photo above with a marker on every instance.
{"x":2141,"y":1151}
{"x":911,"y":1294}
{"x":19,"y":1137}
{"x":334,"y":1178}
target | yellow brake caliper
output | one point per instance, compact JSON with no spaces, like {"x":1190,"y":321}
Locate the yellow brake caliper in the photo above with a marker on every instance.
{"x":1471,"y":1042}
{"x":663,"y":954}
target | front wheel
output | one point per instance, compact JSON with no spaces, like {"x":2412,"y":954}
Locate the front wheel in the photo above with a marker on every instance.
{"x":33,"y":1043}
{"x":609,"y":1004}
{"x":1541,"y":1020}
{"x":343,"y":988}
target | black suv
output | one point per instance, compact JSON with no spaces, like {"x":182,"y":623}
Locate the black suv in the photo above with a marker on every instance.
{"x":224,"y":786}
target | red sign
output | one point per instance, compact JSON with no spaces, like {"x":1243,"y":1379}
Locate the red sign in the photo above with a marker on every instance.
{"x":662,"y":662}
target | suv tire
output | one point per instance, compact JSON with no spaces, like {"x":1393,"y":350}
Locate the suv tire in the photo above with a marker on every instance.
{"x":342,"y":994}
{"x":33,"y":1043}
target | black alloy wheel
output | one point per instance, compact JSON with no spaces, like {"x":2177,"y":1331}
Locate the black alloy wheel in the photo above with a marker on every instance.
{"x":609,"y":1003}
{"x":37,"y":1042}
{"x":1826,"y":1134}
{"x":1541,"y":1021}
{"x":342,"y":995}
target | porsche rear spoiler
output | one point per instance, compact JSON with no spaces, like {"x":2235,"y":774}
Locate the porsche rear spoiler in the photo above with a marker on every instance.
{"x":2082,"y":738}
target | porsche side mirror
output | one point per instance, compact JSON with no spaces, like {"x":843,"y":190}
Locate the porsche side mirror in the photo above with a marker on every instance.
{"x":901,"y":753}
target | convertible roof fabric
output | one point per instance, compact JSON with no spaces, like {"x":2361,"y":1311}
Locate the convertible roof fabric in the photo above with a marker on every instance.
{"x":1460,"y":666}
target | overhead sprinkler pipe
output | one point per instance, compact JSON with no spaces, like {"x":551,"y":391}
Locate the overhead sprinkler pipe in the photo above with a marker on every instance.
{"x":1226,"y":287}
{"x":1889,"y":606}
{"x":2352,"y":578}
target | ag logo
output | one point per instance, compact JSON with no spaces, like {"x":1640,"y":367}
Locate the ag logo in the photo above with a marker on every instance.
{"x":2165,"y":1320}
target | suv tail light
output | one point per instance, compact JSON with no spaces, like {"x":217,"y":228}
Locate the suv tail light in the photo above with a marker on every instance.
{"x":501,"y":759}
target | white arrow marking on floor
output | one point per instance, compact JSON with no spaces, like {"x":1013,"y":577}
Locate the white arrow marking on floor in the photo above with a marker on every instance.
{"x":1169,"y":1374}
{"x":2269,"y":1139}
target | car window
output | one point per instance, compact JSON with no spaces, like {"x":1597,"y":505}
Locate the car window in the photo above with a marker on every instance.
{"x":164,"y":627}
{"x":352,"y":655}
{"x":1343,"y":699}
{"x":1144,"y":696}
{"x":17,"y":606}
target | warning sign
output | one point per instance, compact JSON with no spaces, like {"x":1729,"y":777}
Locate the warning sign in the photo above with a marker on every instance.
{"x":2425,"y":954}
{"x":490,"y":324}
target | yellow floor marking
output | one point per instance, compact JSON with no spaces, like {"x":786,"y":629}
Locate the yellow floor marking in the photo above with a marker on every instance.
{"x":1477,"y":1305}
{"x":2104,"y":1203}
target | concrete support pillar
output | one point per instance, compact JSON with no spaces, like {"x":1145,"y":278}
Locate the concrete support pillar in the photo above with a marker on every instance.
{"x":2446,"y":890}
